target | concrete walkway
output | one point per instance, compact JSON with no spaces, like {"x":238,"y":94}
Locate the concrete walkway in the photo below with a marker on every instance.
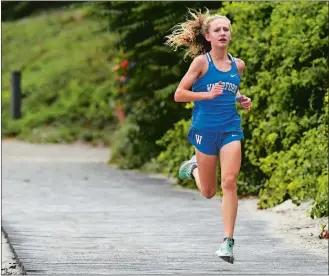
{"x":67,"y":212}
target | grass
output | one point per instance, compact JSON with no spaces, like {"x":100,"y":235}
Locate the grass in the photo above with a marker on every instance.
{"x":65,"y":57}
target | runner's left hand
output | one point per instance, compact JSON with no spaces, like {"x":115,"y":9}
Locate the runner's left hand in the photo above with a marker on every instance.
{"x":245,"y":102}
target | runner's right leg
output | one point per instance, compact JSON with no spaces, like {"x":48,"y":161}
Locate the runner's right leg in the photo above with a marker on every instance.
{"x":202,"y":168}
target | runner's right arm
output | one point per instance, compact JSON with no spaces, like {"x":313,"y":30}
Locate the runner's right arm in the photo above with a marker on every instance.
{"x":183,"y":94}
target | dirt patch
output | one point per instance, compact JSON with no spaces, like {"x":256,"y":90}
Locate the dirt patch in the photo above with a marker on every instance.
{"x":291,"y":222}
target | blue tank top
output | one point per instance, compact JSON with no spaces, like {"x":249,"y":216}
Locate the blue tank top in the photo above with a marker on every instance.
{"x":218,"y":114}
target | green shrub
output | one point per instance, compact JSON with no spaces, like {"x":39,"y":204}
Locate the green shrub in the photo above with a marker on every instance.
{"x":301,"y":172}
{"x":320,"y":203}
{"x":294,"y":173}
{"x":285,"y":75}
{"x":124,"y":146}
{"x":176,"y":149}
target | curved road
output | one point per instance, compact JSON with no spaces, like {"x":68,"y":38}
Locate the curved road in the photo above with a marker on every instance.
{"x":68,"y":213}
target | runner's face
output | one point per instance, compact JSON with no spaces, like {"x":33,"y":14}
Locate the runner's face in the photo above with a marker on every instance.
{"x":219,"y":34}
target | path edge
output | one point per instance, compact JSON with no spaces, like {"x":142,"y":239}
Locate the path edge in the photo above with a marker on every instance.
{"x":20,"y":264}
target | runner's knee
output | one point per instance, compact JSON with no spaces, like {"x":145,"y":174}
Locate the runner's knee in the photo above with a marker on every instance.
{"x":229,"y":182}
{"x":208,"y":192}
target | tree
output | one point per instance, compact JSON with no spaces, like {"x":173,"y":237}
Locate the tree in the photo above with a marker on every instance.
{"x":12,"y":10}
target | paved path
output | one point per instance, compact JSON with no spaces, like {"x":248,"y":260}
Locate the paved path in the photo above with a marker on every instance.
{"x":67,"y":212}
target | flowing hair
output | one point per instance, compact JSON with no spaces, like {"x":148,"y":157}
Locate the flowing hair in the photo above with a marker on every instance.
{"x":190,"y":34}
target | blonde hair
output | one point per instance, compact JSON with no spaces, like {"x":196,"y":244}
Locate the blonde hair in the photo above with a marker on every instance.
{"x":190,"y":34}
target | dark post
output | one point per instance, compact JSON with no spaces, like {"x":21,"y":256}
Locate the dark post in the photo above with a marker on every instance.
{"x":16,"y":95}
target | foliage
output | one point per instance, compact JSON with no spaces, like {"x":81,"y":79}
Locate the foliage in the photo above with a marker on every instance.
{"x":299,"y":173}
{"x":13,"y":10}
{"x":149,"y":104}
{"x":286,"y":78}
{"x":176,"y":148}
{"x":125,"y":146}
{"x":67,"y":81}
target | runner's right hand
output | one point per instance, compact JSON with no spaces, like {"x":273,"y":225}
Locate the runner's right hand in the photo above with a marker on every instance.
{"x":216,"y":90}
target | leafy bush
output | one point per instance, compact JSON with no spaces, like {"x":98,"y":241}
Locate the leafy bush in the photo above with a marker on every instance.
{"x":124,"y":146}
{"x":176,"y":148}
{"x":301,"y":172}
{"x":320,"y":203}
{"x":285,"y":75}
{"x":295,"y":173}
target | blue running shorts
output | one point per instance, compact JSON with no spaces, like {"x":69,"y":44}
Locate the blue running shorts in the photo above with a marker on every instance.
{"x":211,"y":142}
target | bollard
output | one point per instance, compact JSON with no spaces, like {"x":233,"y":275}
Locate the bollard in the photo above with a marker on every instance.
{"x":16,"y":95}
